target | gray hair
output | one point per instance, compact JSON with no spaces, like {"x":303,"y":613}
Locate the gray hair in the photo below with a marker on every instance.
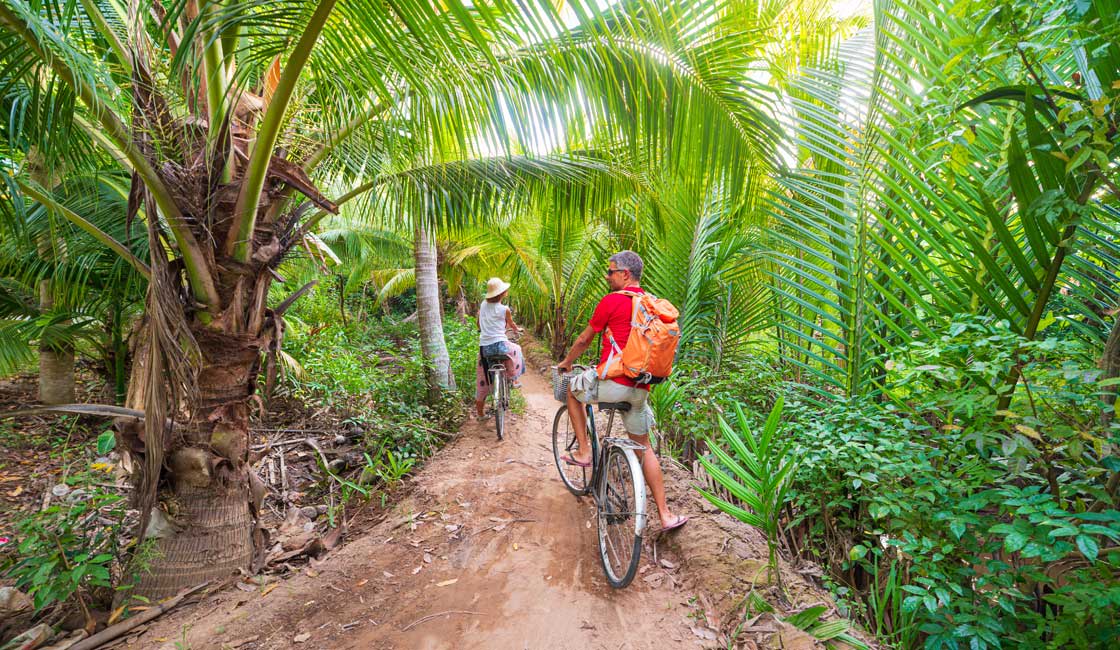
{"x":630,"y":261}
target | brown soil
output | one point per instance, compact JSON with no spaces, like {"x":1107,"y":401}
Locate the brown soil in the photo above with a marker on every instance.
{"x":486,"y":549}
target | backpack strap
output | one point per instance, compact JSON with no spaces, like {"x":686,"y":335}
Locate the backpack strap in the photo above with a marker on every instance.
{"x":616,"y":350}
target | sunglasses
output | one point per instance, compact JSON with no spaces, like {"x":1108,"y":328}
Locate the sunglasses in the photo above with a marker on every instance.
{"x":610,"y":271}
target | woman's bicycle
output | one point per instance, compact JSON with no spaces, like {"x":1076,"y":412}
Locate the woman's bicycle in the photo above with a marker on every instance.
{"x":499,"y":384}
{"x":614,"y":481}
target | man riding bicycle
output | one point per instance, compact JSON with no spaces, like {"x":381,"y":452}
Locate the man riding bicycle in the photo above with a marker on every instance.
{"x":624,"y":273}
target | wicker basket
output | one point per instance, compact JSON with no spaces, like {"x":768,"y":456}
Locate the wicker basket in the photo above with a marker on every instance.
{"x":560,"y":385}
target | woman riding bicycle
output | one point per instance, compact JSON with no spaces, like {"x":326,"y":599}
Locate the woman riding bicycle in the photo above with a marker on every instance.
{"x":494,"y":318}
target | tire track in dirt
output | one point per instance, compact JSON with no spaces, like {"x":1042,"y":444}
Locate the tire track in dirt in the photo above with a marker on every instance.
{"x":488,"y":551}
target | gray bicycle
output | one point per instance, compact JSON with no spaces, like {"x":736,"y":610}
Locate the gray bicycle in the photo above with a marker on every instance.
{"x":614,"y":481}
{"x":499,"y":385}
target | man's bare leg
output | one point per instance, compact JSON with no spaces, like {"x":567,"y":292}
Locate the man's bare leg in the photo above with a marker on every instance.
{"x":651,"y":469}
{"x":578,"y":416}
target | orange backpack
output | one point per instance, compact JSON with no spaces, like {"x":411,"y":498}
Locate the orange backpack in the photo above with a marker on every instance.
{"x":652,"y":346}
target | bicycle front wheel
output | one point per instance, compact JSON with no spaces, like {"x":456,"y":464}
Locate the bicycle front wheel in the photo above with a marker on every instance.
{"x":496,"y":383}
{"x":622,"y":511}
{"x":564,"y":443}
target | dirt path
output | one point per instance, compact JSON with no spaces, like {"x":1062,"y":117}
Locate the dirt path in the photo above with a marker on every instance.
{"x":499,"y":555}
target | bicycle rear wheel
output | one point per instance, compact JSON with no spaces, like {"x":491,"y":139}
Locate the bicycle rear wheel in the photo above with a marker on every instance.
{"x":496,"y":381}
{"x":564,"y":443}
{"x":621,"y":509}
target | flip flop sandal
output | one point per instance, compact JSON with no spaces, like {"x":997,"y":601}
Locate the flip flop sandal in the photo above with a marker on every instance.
{"x":681,"y":521}
{"x":572,"y":461}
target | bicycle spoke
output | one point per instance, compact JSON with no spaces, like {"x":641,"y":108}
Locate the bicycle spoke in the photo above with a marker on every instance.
{"x":565,"y":443}
{"x":616,"y":507}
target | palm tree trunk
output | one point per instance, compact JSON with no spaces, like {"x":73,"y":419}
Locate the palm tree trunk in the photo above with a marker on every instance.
{"x":341,"y":282}
{"x":204,"y":523}
{"x":56,"y":364}
{"x":437,"y":361}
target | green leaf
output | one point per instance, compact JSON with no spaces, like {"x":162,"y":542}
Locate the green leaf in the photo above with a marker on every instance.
{"x":1015,"y":541}
{"x":957,"y":527}
{"x":1088,"y":546}
{"x":803,"y":620}
{"x":106,"y":442}
{"x":1078,"y":159}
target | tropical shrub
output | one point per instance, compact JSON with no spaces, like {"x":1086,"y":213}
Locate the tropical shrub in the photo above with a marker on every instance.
{"x":60,"y":556}
{"x":372,"y":369}
{"x":998,"y":526}
{"x":757,"y":473}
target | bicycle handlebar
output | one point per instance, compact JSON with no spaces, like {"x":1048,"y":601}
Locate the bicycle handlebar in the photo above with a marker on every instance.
{"x":575,"y":367}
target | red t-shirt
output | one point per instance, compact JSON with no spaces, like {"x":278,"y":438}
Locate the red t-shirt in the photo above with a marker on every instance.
{"x":614,"y":311}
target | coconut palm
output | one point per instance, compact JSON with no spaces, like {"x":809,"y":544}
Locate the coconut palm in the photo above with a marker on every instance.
{"x":62,"y":290}
{"x":224,"y":113}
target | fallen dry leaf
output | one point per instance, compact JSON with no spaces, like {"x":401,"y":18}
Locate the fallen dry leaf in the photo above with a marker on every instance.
{"x":417,"y":569}
{"x":427,"y":558}
{"x":267,"y":590}
{"x":16,"y":492}
{"x":362,"y":582}
{"x":703,"y":633}
{"x":447,"y":582}
{"x":301,"y":638}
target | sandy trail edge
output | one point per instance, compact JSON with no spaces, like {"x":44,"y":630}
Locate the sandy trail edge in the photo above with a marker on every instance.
{"x":503,"y":557}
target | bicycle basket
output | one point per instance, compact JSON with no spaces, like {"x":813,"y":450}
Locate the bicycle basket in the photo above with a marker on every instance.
{"x":560,"y":385}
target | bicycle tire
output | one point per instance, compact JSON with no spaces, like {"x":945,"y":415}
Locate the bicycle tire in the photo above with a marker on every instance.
{"x":496,"y":382}
{"x":576,"y":479}
{"x":620,"y":510}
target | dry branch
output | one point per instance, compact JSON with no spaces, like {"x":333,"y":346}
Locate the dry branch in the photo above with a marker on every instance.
{"x":122,"y":628}
{"x":431,"y":616}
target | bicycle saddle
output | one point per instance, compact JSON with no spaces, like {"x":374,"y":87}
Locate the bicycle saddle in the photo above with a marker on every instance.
{"x":498,"y":357}
{"x":616,"y":406}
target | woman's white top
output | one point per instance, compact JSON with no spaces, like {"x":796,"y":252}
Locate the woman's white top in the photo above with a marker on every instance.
{"x":492,"y":322}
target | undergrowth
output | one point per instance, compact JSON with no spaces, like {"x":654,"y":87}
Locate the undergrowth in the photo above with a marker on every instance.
{"x":943,"y":522}
{"x":371,"y":369}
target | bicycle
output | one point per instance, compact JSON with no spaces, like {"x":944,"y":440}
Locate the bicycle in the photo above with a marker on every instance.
{"x":615,"y":483}
{"x":499,"y":385}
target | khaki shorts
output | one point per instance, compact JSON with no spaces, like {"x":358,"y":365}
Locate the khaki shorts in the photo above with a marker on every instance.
{"x":589,"y":389}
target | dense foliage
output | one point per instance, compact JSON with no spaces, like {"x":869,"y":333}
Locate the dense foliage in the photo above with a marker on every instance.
{"x":372,"y":370}
{"x":901,"y":224}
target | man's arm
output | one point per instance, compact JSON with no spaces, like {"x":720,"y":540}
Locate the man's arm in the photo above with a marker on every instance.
{"x":583,"y":341}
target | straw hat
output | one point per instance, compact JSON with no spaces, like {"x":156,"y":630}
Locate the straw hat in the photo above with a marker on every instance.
{"x":495,"y":287}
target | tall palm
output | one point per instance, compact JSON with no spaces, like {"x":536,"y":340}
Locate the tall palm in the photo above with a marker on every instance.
{"x":198,"y":101}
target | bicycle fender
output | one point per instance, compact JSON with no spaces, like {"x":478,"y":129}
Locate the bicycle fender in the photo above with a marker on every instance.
{"x":625,"y":443}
